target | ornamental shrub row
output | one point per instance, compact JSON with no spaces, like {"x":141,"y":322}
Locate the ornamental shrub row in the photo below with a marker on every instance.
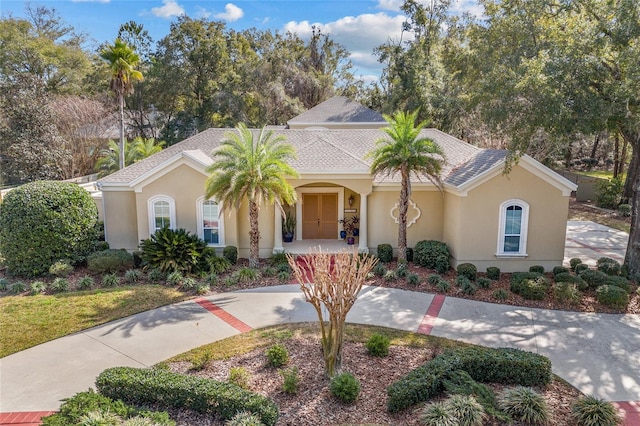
{"x":504,"y":365}
{"x":530,"y":285}
{"x":145,"y":386}
{"x":432,"y":254}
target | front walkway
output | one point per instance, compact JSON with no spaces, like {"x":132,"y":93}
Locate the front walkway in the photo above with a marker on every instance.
{"x":590,"y":241}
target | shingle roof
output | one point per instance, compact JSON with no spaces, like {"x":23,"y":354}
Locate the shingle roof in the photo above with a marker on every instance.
{"x":327,"y":152}
{"x":338,"y":109}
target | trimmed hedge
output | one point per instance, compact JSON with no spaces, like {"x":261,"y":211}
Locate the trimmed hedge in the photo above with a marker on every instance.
{"x":594,"y":278}
{"x":468,"y":270}
{"x":504,"y":365}
{"x":621,"y":282}
{"x":530,"y":285}
{"x":433,"y":255}
{"x":493,"y":273}
{"x":609,"y":266}
{"x":612,"y":296}
{"x":559,"y":270}
{"x":44,"y":222}
{"x":385,"y":253}
{"x":144,"y":386}
{"x":566,"y":277}
{"x":109,"y":261}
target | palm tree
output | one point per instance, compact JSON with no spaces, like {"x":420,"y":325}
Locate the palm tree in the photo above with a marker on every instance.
{"x":137,"y":150}
{"x":252,"y":169}
{"x":122,"y":62}
{"x":407,"y":154}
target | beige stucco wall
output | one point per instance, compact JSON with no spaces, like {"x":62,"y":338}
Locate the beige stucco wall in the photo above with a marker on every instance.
{"x":120,"y":226}
{"x":472,"y":222}
{"x":383,"y":229}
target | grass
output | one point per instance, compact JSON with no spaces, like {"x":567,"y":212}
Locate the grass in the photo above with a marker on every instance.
{"x":27,"y":321}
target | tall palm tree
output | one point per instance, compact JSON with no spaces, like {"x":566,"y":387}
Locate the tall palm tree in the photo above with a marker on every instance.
{"x":122,"y":62}
{"x":405,"y":153}
{"x":253,"y":169}
{"x":137,"y":150}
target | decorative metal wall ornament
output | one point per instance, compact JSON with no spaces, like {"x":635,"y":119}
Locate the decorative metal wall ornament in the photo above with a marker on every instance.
{"x":413,"y":213}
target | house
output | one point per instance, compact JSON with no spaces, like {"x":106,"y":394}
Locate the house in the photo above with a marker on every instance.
{"x":486,"y":217}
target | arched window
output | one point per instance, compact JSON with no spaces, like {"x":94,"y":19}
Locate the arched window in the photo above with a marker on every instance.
{"x":162,"y":213}
{"x":514,"y":220}
{"x":210,"y":222}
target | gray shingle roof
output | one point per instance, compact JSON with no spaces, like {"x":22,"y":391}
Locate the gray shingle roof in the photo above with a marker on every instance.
{"x":338,"y":109}
{"x":329,"y":151}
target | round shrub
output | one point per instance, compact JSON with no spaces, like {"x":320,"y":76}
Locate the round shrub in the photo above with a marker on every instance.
{"x":380,"y":270}
{"x":608,"y":266}
{"x":61,"y":269}
{"x":581,"y":267}
{"x":573,"y":262}
{"x":231,"y":254}
{"x":524,"y":404}
{"x":109,"y":261}
{"x":468,"y":270}
{"x":567,"y":292}
{"x":484,"y":282}
{"x":500,"y":294}
{"x":43,"y":222}
{"x":590,"y":411}
{"x":433,"y":255}
{"x":559,"y":270}
{"x":532,"y":288}
{"x":594,"y":278}
{"x":345,"y":387}
{"x":413,"y":279}
{"x":409,"y":254}
{"x":537,"y":268}
{"x":385,"y":253}
{"x":378,"y":345}
{"x":612,"y":296}
{"x":277,"y":355}
{"x":493,"y":273}
{"x":621,"y":282}
{"x":240,"y":377}
{"x":290,"y":380}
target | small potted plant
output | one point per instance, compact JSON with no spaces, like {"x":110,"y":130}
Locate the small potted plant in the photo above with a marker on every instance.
{"x":356,"y":225}
{"x":288,"y":228}
{"x":348,"y":227}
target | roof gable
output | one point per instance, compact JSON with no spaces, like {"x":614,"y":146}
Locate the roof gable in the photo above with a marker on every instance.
{"x":338,"y":110}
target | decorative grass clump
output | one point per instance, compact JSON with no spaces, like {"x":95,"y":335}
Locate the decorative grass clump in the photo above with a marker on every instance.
{"x":345,"y":387}
{"x":246,"y":274}
{"x":413,"y":279}
{"x":466,"y":410}
{"x":484,"y":282}
{"x":133,"y":276}
{"x":85,"y":283}
{"x":240,"y":377}
{"x":590,"y":411}
{"x":60,"y":285}
{"x":110,"y":280}
{"x":244,"y":418}
{"x":38,"y":287}
{"x":500,"y":294}
{"x":524,"y":404}
{"x":380,"y":270}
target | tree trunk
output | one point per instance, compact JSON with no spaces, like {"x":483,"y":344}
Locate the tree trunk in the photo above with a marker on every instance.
{"x":254,"y":236}
{"x":594,"y":150}
{"x":634,"y":170}
{"x":632,"y":191}
{"x":403,"y":207}
{"x":121,"y":106}
{"x":616,"y":155}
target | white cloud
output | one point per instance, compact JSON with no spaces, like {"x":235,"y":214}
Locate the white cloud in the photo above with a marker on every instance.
{"x":169,"y":9}
{"x":393,"y":5}
{"x":458,"y":7}
{"x":231,"y":13}
{"x":201,"y":12}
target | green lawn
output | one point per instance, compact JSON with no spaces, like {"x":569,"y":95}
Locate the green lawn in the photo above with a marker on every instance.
{"x":605,"y":174}
{"x":27,"y":321}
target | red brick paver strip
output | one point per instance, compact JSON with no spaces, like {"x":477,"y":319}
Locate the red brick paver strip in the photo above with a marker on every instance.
{"x":630,"y":412}
{"x":223,"y":315}
{"x":23,"y":419}
{"x":432,"y":314}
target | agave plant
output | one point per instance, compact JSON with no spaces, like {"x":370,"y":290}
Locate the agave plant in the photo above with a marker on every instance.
{"x":172,"y":250}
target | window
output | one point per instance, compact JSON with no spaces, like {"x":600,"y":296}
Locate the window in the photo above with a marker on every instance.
{"x":162,"y":213}
{"x":210,"y":222}
{"x":514,"y":218}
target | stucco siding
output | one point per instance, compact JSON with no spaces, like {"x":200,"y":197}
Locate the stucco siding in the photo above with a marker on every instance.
{"x":476,"y":240}
{"x":120,"y":219}
{"x":266,"y":228}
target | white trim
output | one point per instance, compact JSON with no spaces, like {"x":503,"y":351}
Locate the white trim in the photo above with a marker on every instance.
{"x":318,"y":190}
{"x":524,"y":226}
{"x":200,"y":219}
{"x":151,"y":214}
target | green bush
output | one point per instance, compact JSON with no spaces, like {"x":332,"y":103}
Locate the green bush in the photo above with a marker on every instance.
{"x":109,"y":261}
{"x":434,"y":279}
{"x":43,"y":222}
{"x":110,"y":280}
{"x":101,"y":245}
{"x":231,"y":254}
{"x":37,"y":287}
{"x":202,"y":289}
{"x":290,"y":380}
{"x":466,"y":410}
{"x":566,"y":277}
{"x":345,"y":387}
{"x":133,"y":276}
{"x":433,"y":255}
{"x":591,"y":411}
{"x":493,"y":273}
{"x":413,"y":279}
{"x":468,"y":270}
{"x":624,"y":210}
{"x":581,"y":267}
{"x":524,"y":404}
{"x":278,"y":258}
{"x":390,"y":276}
{"x":385,"y":253}
{"x":559,"y":270}
{"x":156,"y":275}
{"x":60,"y":285}
{"x":189,"y":283}
{"x":85,"y":283}
{"x":504,"y":365}
{"x":612,"y":296}
{"x":621,"y":282}
{"x":466,"y":285}
{"x":173,"y":250}
{"x":4,"y":284}
{"x":609,"y":192}
{"x":218,"y":265}
{"x":567,"y":292}
{"x":17,"y":287}
{"x":137,"y":259}
{"x":539,"y":269}
{"x":378,"y":345}
{"x":409,"y":254}
{"x":402,"y":270}
{"x":144,"y":386}
{"x":380,"y":270}
{"x":81,"y":404}
{"x":438,"y":414}
{"x":277,"y":355}
{"x":61,"y":269}
{"x":594,"y":278}
{"x":500,"y":294}
{"x":175,"y":278}
{"x":459,"y":382}
{"x":443,"y":285}
{"x":533,"y":288}
{"x":484,"y":282}
{"x":239,"y":376}
{"x":573,"y":262}
{"x":608,"y":266}
{"x":244,"y":418}
{"x":246,"y":274}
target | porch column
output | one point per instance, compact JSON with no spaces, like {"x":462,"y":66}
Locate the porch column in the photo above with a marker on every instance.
{"x":364,"y":227}
{"x":277,"y":231}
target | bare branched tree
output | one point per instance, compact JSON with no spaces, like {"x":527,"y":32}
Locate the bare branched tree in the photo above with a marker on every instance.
{"x":332,"y":280}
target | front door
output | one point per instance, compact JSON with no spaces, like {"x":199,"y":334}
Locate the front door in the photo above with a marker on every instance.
{"x":319,"y":216}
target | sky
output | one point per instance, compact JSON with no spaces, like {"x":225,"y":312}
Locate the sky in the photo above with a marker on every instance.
{"x":359,"y":25}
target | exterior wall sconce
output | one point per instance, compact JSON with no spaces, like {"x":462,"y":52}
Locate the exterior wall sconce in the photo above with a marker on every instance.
{"x":351,"y":200}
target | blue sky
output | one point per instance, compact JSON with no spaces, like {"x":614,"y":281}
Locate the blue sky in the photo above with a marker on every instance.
{"x":359,"y":25}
